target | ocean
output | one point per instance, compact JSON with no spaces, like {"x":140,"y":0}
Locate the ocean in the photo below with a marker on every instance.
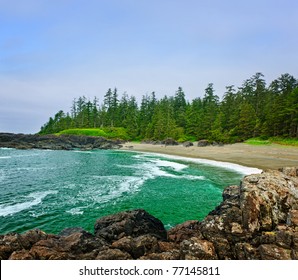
{"x":53,"y":190}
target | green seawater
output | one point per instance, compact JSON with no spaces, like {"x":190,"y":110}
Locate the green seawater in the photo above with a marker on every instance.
{"x":52,"y":190}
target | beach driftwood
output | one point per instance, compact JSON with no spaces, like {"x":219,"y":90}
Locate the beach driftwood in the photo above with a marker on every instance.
{"x":256,"y":220}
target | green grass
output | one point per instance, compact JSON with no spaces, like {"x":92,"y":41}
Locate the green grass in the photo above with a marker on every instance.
{"x":109,"y":132}
{"x":273,"y":140}
{"x":257,"y":141}
{"x":285,"y":141}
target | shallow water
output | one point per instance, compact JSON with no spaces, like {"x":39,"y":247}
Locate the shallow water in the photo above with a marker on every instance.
{"x":52,"y":190}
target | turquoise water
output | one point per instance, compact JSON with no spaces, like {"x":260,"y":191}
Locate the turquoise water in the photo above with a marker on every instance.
{"x":52,"y":190}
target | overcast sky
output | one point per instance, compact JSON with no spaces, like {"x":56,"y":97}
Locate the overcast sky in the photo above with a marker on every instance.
{"x":54,"y":51}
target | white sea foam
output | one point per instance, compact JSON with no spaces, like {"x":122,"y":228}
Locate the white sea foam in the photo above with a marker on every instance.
{"x":192,"y":177}
{"x":83,"y":152}
{"x":227,"y":165}
{"x":174,"y":165}
{"x":5,"y":157}
{"x":116,"y":186}
{"x":150,"y":169}
{"x":75,"y":211}
{"x":33,"y":199}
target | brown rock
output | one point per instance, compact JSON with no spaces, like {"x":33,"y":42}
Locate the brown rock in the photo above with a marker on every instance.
{"x":292,"y":218}
{"x":274,"y":252}
{"x":21,"y":255}
{"x":266,"y":203}
{"x":130,"y":223}
{"x":81,"y":243}
{"x":197,"y":249}
{"x":113,"y":254}
{"x":245,"y":251}
{"x":184,"y":231}
{"x":170,"y":255}
{"x":138,"y":246}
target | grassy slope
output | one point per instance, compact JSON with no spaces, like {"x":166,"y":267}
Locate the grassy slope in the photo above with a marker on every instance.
{"x":273,"y":140}
{"x":111,"y":133}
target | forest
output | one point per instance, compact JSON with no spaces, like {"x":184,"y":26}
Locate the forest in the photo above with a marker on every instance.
{"x":252,"y":110}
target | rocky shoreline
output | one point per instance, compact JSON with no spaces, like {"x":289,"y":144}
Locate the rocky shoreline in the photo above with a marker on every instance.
{"x":54,"y":142}
{"x":257,"y":220}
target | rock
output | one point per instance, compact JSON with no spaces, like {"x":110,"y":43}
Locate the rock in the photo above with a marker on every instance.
{"x":130,"y":223}
{"x":266,"y":200}
{"x":54,"y":142}
{"x":187,"y":144}
{"x":21,"y":255}
{"x":50,"y":249}
{"x":203,"y":143}
{"x":274,"y":252}
{"x":170,"y":142}
{"x":197,"y":249}
{"x":231,"y":193}
{"x":113,"y":254}
{"x":137,"y":247}
{"x":289,"y":171}
{"x":169,"y":255}
{"x":184,"y":231}
{"x":292,"y":218}
{"x":69,"y":231}
{"x":81,"y":243}
{"x":245,"y":251}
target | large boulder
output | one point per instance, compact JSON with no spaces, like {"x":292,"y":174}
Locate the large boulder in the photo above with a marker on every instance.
{"x":170,"y":142}
{"x":203,"y":143}
{"x":130,"y":223}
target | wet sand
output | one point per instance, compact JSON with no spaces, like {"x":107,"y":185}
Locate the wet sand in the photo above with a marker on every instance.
{"x":264,"y":157}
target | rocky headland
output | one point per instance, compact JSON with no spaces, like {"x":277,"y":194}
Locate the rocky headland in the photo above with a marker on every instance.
{"x":257,"y":220}
{"x":56,"y":142}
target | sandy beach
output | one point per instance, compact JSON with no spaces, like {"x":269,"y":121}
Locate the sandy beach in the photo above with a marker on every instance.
{"x":264,"y":157}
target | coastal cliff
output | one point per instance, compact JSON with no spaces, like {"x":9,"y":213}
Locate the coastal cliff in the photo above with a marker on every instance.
{"x":55,"y":142}
{"x":256,"y":220}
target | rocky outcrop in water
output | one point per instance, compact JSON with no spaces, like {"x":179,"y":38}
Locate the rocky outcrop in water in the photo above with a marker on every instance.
{"x":54,"y":142}
{"x":256,"y":220}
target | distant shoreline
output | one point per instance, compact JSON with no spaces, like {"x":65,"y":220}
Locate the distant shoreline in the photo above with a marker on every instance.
{"x":264,"y":157}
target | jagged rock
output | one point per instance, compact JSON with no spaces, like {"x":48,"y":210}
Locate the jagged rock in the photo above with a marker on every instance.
{"x":113,"y":254}
{"x":197,"y":249}
{"x":69,"y":231}
{"x":81,"y":243}
{"x":21,"y":255}
{"x":50,"y":249}
{"x":245,"y":251}
{"x":169,"y":255}
{"x":266,"y":200}
{"x":184,"y":231}
{"x":292,"y":218}
{"x":16,"y":242}
{"x":138,"y":246}
{"x":274,"y":252}
{"x":130,"y":223}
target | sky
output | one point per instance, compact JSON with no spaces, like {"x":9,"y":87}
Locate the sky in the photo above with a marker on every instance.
{"x":54,"y":51}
